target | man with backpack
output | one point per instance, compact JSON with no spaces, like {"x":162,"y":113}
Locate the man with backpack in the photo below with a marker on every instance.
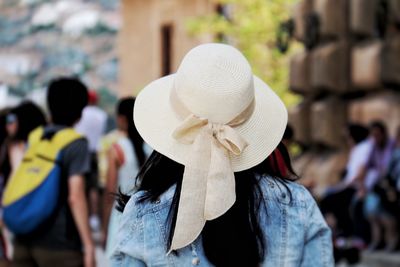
{"x":45,"y":202}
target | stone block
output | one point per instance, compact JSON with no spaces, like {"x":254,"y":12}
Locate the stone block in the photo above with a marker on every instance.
{"x":299,"y":79}
{"x":384,"y":106}
{"x":332,"y":16}
{"x":330,"y":67}
{"x":366,"y":65}
{"x":363,"y":17}
{"x":299,"y":119}
{"x":322,"y":170}
{"x":328,"y":120}
{"x":301,"y":11}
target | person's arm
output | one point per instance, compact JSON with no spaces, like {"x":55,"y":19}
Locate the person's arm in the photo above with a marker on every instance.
{"x":365,"y":158}
{"x":78,"y":204}
{"x":318,"y":248}
{"x":76,"y":161}
{"x":110,"y":188}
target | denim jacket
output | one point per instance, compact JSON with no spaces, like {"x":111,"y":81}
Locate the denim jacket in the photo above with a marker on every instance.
{"x":295,"y":232}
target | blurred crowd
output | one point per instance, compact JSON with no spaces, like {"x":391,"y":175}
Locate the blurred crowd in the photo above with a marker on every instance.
{"x":363,"y":208}
{"x":106,"y":160}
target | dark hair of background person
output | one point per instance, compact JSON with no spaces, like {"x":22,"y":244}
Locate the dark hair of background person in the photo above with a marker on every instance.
{"x":234,"y":239}
{"x":29,"y":117}
{"x":3,"y":122}
{"x":289,"y":133}
{"x":357,"y":132}
{"x":66,"y":98}
{"x":125,"y":108}
{"x":378,"y":125}
{"x":5,"y":167}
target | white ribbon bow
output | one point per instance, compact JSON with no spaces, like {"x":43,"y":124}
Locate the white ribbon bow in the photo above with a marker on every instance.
{"x":208,"y":186}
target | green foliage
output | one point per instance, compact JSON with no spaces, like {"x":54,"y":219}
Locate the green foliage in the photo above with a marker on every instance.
{"x":251,"y":25}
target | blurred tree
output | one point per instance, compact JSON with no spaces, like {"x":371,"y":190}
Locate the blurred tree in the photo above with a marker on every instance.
{"x":252,"y":26}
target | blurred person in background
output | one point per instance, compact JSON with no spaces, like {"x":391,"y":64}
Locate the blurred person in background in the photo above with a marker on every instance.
{"x":374,"y":170}
{"x":102,"y":155}
{"x":388,"y":190}
{"x":340,"y":195}
{"x":3,"y":130}
{"x":394,"y":166}
{"x":5,"y":168}
{"x":20,"y":121}
{"x":3,"y":243}
{"x":337,"y":198}
{"x":65,"y":239}
{"x":125,"y":157}
{"x":93,"y":124}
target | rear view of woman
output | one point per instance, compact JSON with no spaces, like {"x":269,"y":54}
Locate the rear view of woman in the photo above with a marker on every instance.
{"x":19,"y":122}
{"x":207,"y":196}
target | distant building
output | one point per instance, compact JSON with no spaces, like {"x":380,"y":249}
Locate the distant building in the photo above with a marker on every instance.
{"x":153,"y":39}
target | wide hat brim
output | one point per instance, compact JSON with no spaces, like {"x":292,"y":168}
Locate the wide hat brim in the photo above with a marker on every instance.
{"x":155,"y":121}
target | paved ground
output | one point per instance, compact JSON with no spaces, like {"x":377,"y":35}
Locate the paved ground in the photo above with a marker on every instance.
{"x":346,"y":265}
{"x":377,"y":259}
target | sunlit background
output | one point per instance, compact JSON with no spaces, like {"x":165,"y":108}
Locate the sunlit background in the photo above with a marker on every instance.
{"x":331,"y":61}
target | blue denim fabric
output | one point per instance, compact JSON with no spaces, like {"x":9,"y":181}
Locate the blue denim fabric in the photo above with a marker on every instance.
{"x":295,"y":232}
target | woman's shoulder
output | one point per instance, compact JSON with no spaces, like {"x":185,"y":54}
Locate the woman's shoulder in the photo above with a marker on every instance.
{"x":287,"y":192}
{"x":138,"y":207}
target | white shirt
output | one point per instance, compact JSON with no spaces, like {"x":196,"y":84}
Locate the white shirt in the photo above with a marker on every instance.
{"x":92,"y":125}
{"x":359,"y":157}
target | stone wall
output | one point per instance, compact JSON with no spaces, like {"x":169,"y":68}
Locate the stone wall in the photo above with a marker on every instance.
{"x":349,"y":71}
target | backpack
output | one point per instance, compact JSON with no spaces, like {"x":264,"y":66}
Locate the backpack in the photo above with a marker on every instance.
{"x":32,"y":194}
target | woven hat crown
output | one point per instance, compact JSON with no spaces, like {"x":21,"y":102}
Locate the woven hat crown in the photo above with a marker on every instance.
{"x":215,"y":81}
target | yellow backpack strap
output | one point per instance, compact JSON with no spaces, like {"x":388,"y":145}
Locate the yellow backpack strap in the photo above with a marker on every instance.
{"x":51,"y":148}
{"x":35,"y":136}
{"x":64,"y":137}
{"x":33,"y":140}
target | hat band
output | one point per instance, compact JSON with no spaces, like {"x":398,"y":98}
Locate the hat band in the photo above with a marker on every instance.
{"x":208,"y":185}
{"x":183,"y":112}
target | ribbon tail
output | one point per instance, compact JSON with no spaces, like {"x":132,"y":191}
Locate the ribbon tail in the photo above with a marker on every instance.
{"x":221,"y":194}
{"x":190,"y":219}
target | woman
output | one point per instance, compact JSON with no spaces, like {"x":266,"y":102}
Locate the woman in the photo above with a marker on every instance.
{"x":388,"y":190}
{"x":370,"y":191}
{"x":348,"y":224}
{"x":125,"y":157}
{"x":20,"y":121}
{"x":3,"y":134}
{"x":207,"y":196}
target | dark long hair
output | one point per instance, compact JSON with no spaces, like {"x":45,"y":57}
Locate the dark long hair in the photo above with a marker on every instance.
{"x":3,"y":123}
{"x":125,"y":108}
{"x":29,"y":117}
{"x":235,"y":238}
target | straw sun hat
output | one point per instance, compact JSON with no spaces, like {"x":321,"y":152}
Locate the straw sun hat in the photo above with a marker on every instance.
{"x":215,"y":117}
